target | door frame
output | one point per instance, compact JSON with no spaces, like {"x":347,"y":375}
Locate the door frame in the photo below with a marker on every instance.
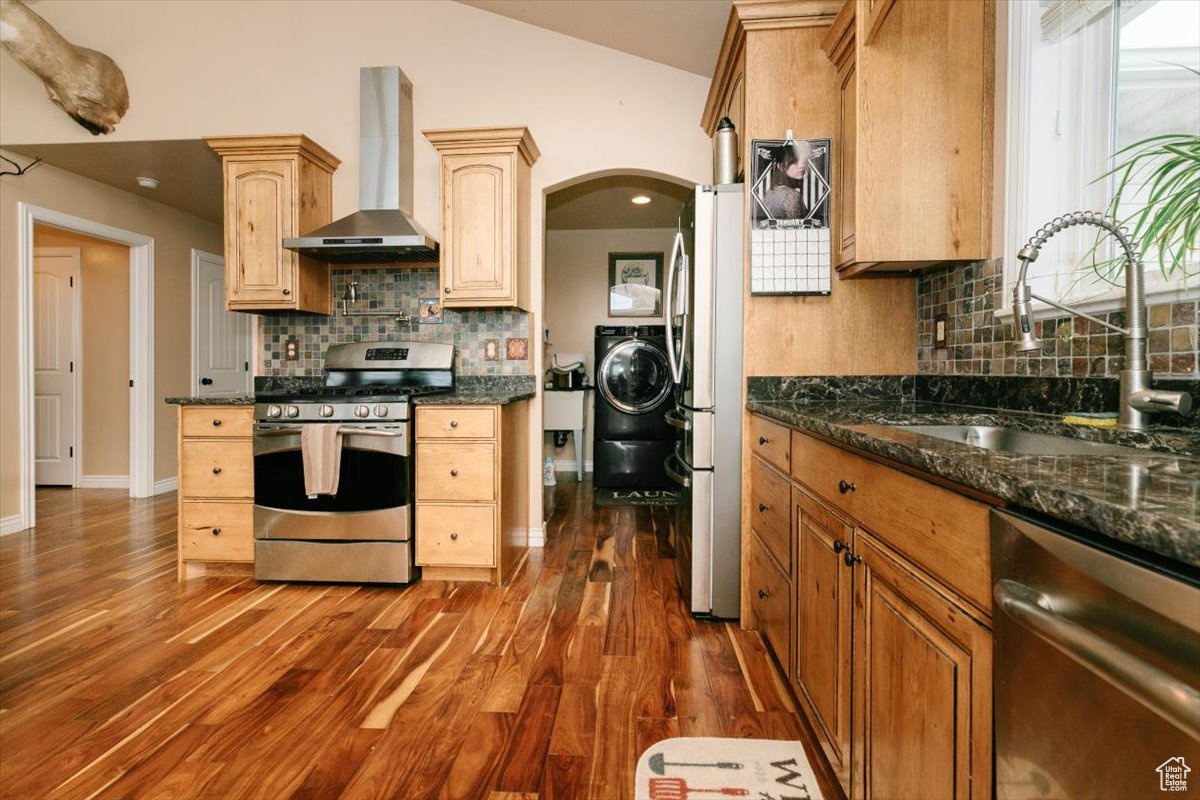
{"x":141,"y":347}
{"x":76,"y":356}
{"x":251,"y":323}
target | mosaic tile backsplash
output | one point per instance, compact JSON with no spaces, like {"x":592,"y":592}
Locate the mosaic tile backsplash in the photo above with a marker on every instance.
{"x":979,"y":344}
{"x":391,"y":291}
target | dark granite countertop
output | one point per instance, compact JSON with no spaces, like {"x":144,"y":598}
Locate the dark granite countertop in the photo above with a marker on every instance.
{"x":243,"y":400}
{"x":1151,"y":501}
{"x":484,"y":390}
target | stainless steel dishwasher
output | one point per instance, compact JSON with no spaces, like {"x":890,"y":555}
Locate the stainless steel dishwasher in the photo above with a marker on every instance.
{"x":1096,"y":668}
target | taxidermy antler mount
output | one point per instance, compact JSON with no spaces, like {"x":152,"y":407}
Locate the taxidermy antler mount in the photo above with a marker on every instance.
{"x":87,"y":85}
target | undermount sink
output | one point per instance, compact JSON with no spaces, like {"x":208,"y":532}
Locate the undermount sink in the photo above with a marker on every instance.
{"x":1014,"y":440}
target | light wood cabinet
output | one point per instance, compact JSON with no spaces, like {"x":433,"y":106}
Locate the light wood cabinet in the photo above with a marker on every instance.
{"x":913,"y":150}
{"x":275,"y":187}
{"x":216,"y":486}
{"x":890,"y":653}
{"x":471,"y":491}
{"x":485,"y":186}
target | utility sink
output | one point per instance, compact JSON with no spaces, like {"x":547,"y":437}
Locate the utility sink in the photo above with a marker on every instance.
{"x":1014,"y":440}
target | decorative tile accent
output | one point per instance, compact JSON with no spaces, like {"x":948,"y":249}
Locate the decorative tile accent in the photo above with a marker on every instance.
{"x":977,"y":344}
{"x":515,"y":349}
{"x":391,"y":291}
{"x":491,"y":349}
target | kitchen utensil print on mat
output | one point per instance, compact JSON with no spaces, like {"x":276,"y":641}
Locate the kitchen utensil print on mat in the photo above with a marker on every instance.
{"x":677,"y":789}
{"x":659,"y":764}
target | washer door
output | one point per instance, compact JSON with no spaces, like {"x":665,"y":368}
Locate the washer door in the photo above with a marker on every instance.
{"x":634,"y":377}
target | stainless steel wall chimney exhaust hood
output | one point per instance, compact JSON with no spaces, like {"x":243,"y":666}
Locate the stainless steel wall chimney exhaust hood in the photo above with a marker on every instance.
{"x":383,"y":231}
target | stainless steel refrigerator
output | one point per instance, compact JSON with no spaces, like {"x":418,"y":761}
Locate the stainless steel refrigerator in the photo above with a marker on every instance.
{"x":703,"y":315}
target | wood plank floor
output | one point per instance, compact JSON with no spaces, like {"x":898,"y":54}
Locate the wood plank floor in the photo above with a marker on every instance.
{"x":117,"y":681}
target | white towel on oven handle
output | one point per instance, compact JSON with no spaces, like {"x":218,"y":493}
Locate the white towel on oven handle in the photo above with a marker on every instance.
{"x":321,"y":451}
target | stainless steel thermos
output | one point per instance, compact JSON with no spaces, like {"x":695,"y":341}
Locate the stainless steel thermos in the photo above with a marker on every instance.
{"x":725,"y":152}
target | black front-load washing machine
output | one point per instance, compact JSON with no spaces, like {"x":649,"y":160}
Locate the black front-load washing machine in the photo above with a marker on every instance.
{"x":633,"y":393}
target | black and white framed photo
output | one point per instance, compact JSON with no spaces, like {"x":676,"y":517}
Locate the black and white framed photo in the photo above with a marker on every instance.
{"x":790,"y":200}
{"x":635,"y":284}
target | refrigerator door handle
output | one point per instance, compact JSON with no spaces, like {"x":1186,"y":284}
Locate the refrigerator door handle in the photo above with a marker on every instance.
{"x":669,"y":311}
{"x":669,"y":466}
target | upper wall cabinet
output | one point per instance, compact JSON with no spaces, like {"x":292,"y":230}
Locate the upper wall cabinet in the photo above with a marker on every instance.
{"x":913,"y":152}
{"x":485,"y":216}
{"x":275,"y":187}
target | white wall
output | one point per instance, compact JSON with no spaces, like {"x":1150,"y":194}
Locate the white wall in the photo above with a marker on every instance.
{"x":206,"y":67}
{"x":577,"y":301}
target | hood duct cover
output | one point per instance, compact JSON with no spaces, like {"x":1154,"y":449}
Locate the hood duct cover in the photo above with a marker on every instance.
{"x":383,"y":232}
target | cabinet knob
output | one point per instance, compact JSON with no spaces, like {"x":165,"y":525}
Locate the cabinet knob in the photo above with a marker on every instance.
{"x":839,"y":545}
{"x":216,"y":423}
{"x":762,"y":507}
{"x":453,"y":537}
{"x":763,"y":440}
{"x":763,"y":594}
{"x":287,"y":291}
{"x":447,"y":290}
{"x":453,"y":473}
{"x":844,"y":487}
{"x":216,"y":531}
{"x":851,"y":560}
{"x":453,"y":423}
{"x":216,"y":470}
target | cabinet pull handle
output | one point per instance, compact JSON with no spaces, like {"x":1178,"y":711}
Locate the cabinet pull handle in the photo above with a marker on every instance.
{"x":839,"y":545}
{"x":844,"y":487}
{"x":454,"y":537}
{"x":216,"y":423}
{"x":763,"y":440}
{"x":453,"y":423}
{"x":287,"y":291}
{"x":216,"y":470}
{"x":763,"y":594}
{"x":216,"y":531}
{"x":763,"y":507}
{"x":851,"y":560}
{"x":453,"y":473}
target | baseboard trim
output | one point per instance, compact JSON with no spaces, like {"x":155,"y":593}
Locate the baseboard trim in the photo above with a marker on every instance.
{"x":571,"y":465}
{"x":103,"y":482}
{"x":166,"y":485}
{"x":13,"y":524}
{"x":537,"y":536}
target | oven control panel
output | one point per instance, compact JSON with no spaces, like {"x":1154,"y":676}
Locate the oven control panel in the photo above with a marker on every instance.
{"x":330,"y":412}
{"x":387,"y":354}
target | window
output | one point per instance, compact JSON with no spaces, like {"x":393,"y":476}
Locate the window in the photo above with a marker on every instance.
{"x":1086,"y":78}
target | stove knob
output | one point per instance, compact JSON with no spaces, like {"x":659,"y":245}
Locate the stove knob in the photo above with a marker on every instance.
{"x":362,"y":411}
{"x":274,"y":411}
{"x":381,"y":411}
{"x":292,"y":412}
{"x":325,"y":411}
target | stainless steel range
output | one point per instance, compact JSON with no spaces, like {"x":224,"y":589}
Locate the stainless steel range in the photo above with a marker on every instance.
{"x":362,"y":531}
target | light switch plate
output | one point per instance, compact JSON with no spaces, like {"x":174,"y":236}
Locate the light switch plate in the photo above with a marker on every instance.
{"x":939,"y":331}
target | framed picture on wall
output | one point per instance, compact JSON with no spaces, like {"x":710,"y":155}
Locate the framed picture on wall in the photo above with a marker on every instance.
{"x":635,"y":284}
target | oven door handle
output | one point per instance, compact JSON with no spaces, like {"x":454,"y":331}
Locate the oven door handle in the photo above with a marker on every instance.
{"x":345,"y":432}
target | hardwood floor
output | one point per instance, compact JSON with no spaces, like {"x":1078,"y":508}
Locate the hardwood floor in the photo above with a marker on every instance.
{"x":117,"y":681}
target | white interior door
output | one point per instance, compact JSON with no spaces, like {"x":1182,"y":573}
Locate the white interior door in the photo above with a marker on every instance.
{"x":221,"y":339}
{"x":55,"y":278}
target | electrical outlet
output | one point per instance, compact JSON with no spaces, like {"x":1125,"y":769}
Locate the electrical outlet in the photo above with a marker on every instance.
{"x":291,"y":350}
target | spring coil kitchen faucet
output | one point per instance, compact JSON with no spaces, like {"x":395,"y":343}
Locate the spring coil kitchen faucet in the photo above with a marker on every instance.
{"x":1137,"y":398}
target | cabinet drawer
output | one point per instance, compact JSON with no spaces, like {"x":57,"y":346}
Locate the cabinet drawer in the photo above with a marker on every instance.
{"x":456,"y":471}
{"x":456,"y":536}
{"x":455,"y":422}
{"x":216,"y":532}
{"x":216,"y":469}
{"x":216,"y":421}
{"x":770,"y":602}
{"x":770,"y":505}
{"x":943,"y":532}
{"x":771,"y":442}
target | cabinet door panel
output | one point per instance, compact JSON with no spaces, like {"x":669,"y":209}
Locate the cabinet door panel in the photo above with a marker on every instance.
{"x":848,"y":170}
{"x":770,"y":601}
{"x":922,"y":695}
{"x":823,"y":633}
{"x":262,"y":205}
{"x":479,"y":218}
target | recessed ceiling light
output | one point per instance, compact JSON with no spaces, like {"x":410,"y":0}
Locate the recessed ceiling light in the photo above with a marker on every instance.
{"x":640,"y":200}
{"x":147,"y":183}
